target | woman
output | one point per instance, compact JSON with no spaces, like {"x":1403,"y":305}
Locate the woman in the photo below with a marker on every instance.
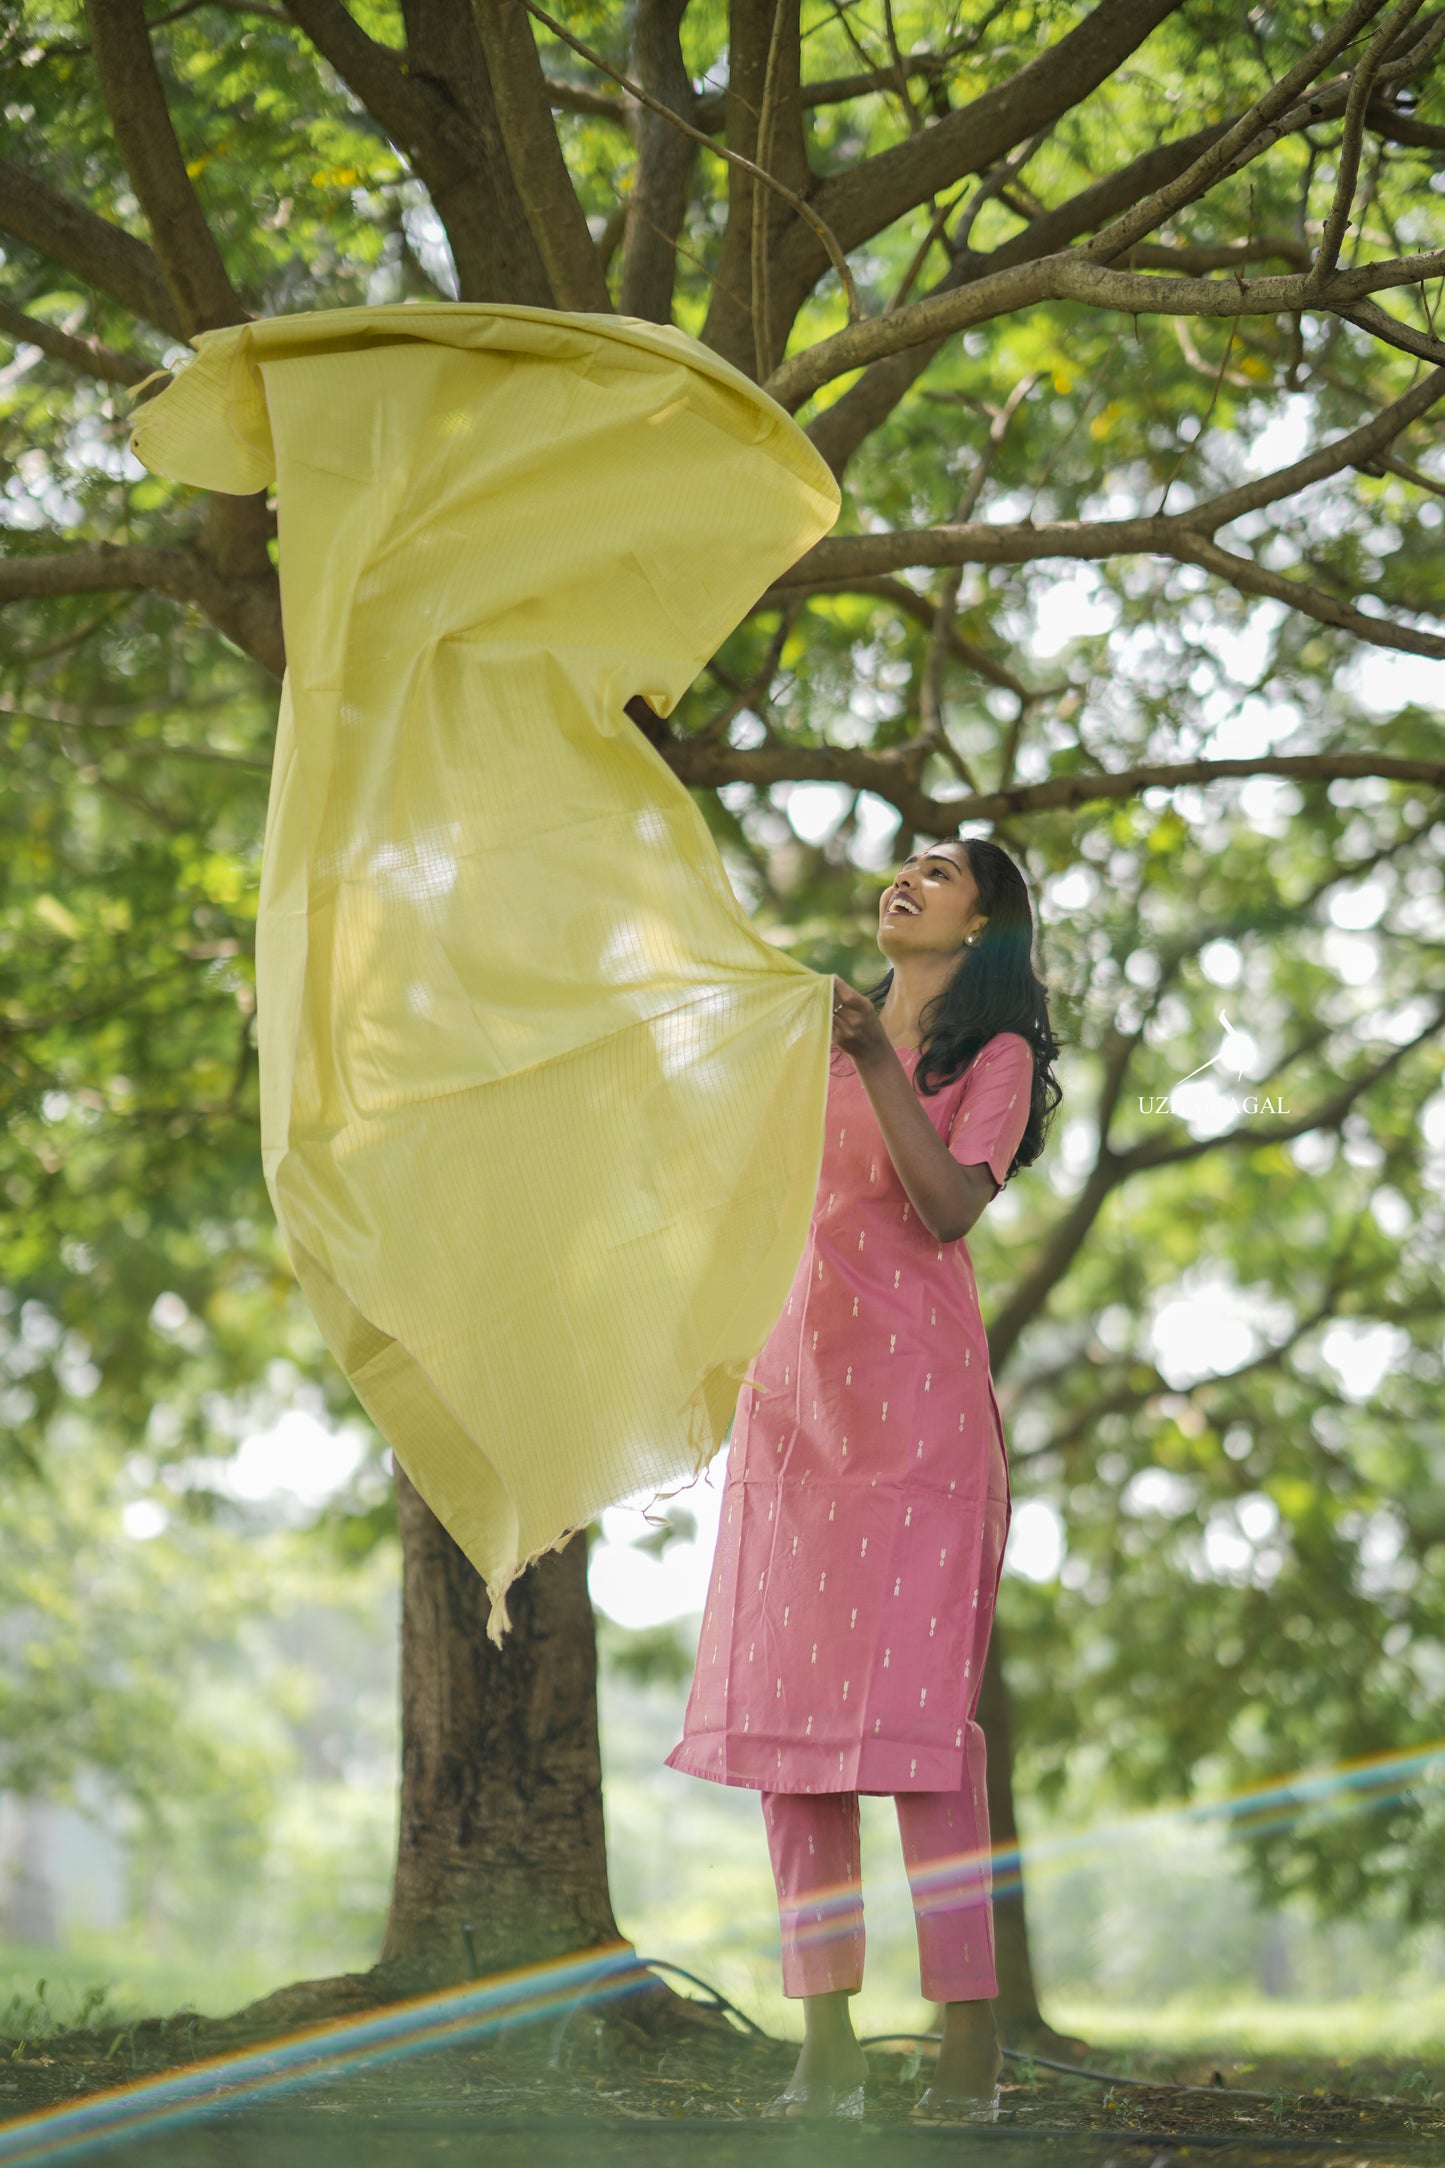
{"x":862,"y":1530}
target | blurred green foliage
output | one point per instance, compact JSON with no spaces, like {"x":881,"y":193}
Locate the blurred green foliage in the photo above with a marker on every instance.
{"x":1251,"y":1547}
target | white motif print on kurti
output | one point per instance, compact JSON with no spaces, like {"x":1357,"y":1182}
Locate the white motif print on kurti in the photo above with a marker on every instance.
{"x":926,"y":1722}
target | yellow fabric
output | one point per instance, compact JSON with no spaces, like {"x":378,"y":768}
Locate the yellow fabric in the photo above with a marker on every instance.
{"x":542,"y":1113}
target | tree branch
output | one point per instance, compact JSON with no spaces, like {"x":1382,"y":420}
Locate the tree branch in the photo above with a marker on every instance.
{"x":869,"y":196}
{"x":1347,"y":164}
{"x":1126,"y":1397}
{"x":89,"y":356}
{"x":1197,"y":259}
{"x":141,"y":121}
{"x":1383,"y":120}
{"x":133,"y":748}
{"x":887,"y":775}
{"x":665,"y":159}
{"x":842,"y":427}
{"x":245,"y":607}
{"x":535,"y":156}
{"x":1111,"y":1169}
{"x":921,"y":67}
{"x":733,"y":157}
{"x":179,"y":14}
{"x":1147,"y":182}
{"x":1312,"y":601}
{"x":377,"y":74}
{"x":1188,"y":537}
{"x":1349,"y":450}
{"x":101,"y":567}
{"x":90,"y":247}
{"x":1147,"y":1155}
{"x":436,"y":104}
{"x":570,"y":97}
{"x":1093,"y":541}
{"x":744,"y":696}
{"x":1246,"y":139}
{"x":1366,"y":316}
{"x":710,"y":111}
{"x":1071,"y":276}
{"x":912,"y":604}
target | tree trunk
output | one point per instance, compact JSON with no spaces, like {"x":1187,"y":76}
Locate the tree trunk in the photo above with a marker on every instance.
{"x":1020,"y":2021}
{"x":501,"y":1785}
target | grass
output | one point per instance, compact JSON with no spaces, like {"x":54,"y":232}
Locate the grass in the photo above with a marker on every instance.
{"x":1260,"y":2025}
{"x":110,"y":1979}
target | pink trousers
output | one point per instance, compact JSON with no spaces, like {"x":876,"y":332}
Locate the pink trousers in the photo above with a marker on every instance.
{"x":813,"y":1840}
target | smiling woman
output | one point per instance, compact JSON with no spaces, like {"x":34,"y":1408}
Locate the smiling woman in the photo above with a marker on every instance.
{"x":862,"y":1530}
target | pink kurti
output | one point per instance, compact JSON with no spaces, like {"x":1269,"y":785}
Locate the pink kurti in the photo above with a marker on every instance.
{"x":851,"y":1539}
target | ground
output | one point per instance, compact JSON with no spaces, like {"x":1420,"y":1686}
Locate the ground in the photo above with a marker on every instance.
{"x":586,"y":2084}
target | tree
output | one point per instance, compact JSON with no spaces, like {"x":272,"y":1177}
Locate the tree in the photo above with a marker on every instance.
{"x":1003,"y":269}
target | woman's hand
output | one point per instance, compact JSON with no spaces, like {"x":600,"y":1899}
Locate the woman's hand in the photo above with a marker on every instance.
{"x":856,"y":1025}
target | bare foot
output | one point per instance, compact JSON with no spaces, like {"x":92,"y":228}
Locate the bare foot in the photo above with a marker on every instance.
{"x":831,"y":2064}
{"x":839,"y":2065}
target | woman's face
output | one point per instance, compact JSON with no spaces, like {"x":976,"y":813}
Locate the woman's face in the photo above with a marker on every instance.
{"x":930,"y":906}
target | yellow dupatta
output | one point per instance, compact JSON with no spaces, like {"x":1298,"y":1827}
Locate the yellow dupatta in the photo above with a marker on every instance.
{"x":542,"y":1112}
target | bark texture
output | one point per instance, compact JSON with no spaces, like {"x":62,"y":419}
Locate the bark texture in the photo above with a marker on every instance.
{"x":501,"y":1791}
{"x":664,"y":165}
{"x":1016,"y":2012}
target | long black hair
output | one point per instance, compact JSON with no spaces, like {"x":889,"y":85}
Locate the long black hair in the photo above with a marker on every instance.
{"x":993,"y":988}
